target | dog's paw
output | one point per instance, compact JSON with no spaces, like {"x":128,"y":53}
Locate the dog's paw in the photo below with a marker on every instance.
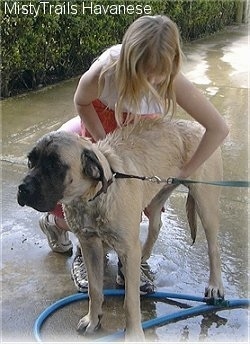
{"x":88,"y":325}
{"x":214,"y":292}
{"x":136,"y":335}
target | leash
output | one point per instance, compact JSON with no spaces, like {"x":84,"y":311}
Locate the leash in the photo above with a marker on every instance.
{"x":171,"y":180}
{"x":230,"y":183}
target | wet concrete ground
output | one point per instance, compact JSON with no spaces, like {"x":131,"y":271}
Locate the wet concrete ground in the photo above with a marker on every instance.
{"x":33,"y":277}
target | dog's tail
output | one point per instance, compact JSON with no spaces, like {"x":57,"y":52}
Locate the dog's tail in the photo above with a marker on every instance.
{"x":192,"y":216}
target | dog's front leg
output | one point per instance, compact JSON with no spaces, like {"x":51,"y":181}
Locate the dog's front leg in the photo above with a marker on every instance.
{"x":92,"y":250}
{"x":131,"y":260}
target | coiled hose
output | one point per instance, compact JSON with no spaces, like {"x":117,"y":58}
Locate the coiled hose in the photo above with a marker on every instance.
{"x":208,"y":305}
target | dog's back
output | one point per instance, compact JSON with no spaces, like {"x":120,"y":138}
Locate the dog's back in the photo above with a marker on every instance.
{"x":156,"y":147}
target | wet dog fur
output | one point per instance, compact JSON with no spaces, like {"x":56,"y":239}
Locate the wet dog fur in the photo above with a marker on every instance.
{"x":70,"y":169}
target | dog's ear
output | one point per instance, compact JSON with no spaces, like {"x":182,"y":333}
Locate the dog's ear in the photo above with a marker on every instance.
{"x":91,"y":165}
{"x":93,"y":168}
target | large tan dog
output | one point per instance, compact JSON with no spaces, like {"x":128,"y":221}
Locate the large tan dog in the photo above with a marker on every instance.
{"x":102,"y":208}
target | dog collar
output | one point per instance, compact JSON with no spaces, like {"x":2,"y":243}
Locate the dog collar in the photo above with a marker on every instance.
{"x":102,"y":190}
{"x":120,"y":175}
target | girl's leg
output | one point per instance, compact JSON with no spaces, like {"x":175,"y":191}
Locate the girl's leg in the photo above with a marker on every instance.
{"x":73,"y":125}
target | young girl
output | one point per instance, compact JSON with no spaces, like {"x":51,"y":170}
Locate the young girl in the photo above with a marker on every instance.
{"x":140,"y":77}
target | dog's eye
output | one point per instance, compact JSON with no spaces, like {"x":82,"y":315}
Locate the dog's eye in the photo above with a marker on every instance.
{"x":30,"y":165}
{"x":51,"y":163}
{"x":32,"y":158}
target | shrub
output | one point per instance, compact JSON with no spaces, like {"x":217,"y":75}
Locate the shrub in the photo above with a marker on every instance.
{"x":38,"y":50}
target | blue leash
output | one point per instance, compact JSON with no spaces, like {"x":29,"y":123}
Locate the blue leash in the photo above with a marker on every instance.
{"x":230,"y":183}
{"x":209,"y":306}
{"x":171,"y":180}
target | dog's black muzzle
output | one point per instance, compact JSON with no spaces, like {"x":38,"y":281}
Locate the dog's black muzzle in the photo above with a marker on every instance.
{"x":30,"y":193}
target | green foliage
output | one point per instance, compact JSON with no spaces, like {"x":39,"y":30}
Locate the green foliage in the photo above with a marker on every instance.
{"x":38,"y":50}
{"x":199,"y":18}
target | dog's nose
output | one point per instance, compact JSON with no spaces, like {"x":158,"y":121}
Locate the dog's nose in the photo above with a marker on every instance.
{"x":23,"y":188}
{"x":23,"y":194}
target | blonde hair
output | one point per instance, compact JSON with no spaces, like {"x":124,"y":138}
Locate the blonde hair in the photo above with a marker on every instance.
{"x":151,"y":44}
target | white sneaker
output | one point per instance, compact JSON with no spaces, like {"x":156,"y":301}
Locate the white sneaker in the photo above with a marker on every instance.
{"x":58,"y":239}
{"x":79,"y":273}
{"x":146,"y":284}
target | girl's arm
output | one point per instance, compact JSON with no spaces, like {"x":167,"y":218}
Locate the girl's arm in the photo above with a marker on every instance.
{"x":86,"y":92}
{"x":198,"y":107}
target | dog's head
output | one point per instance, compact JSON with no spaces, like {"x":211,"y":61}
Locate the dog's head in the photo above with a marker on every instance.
{"x":62,"y":167}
